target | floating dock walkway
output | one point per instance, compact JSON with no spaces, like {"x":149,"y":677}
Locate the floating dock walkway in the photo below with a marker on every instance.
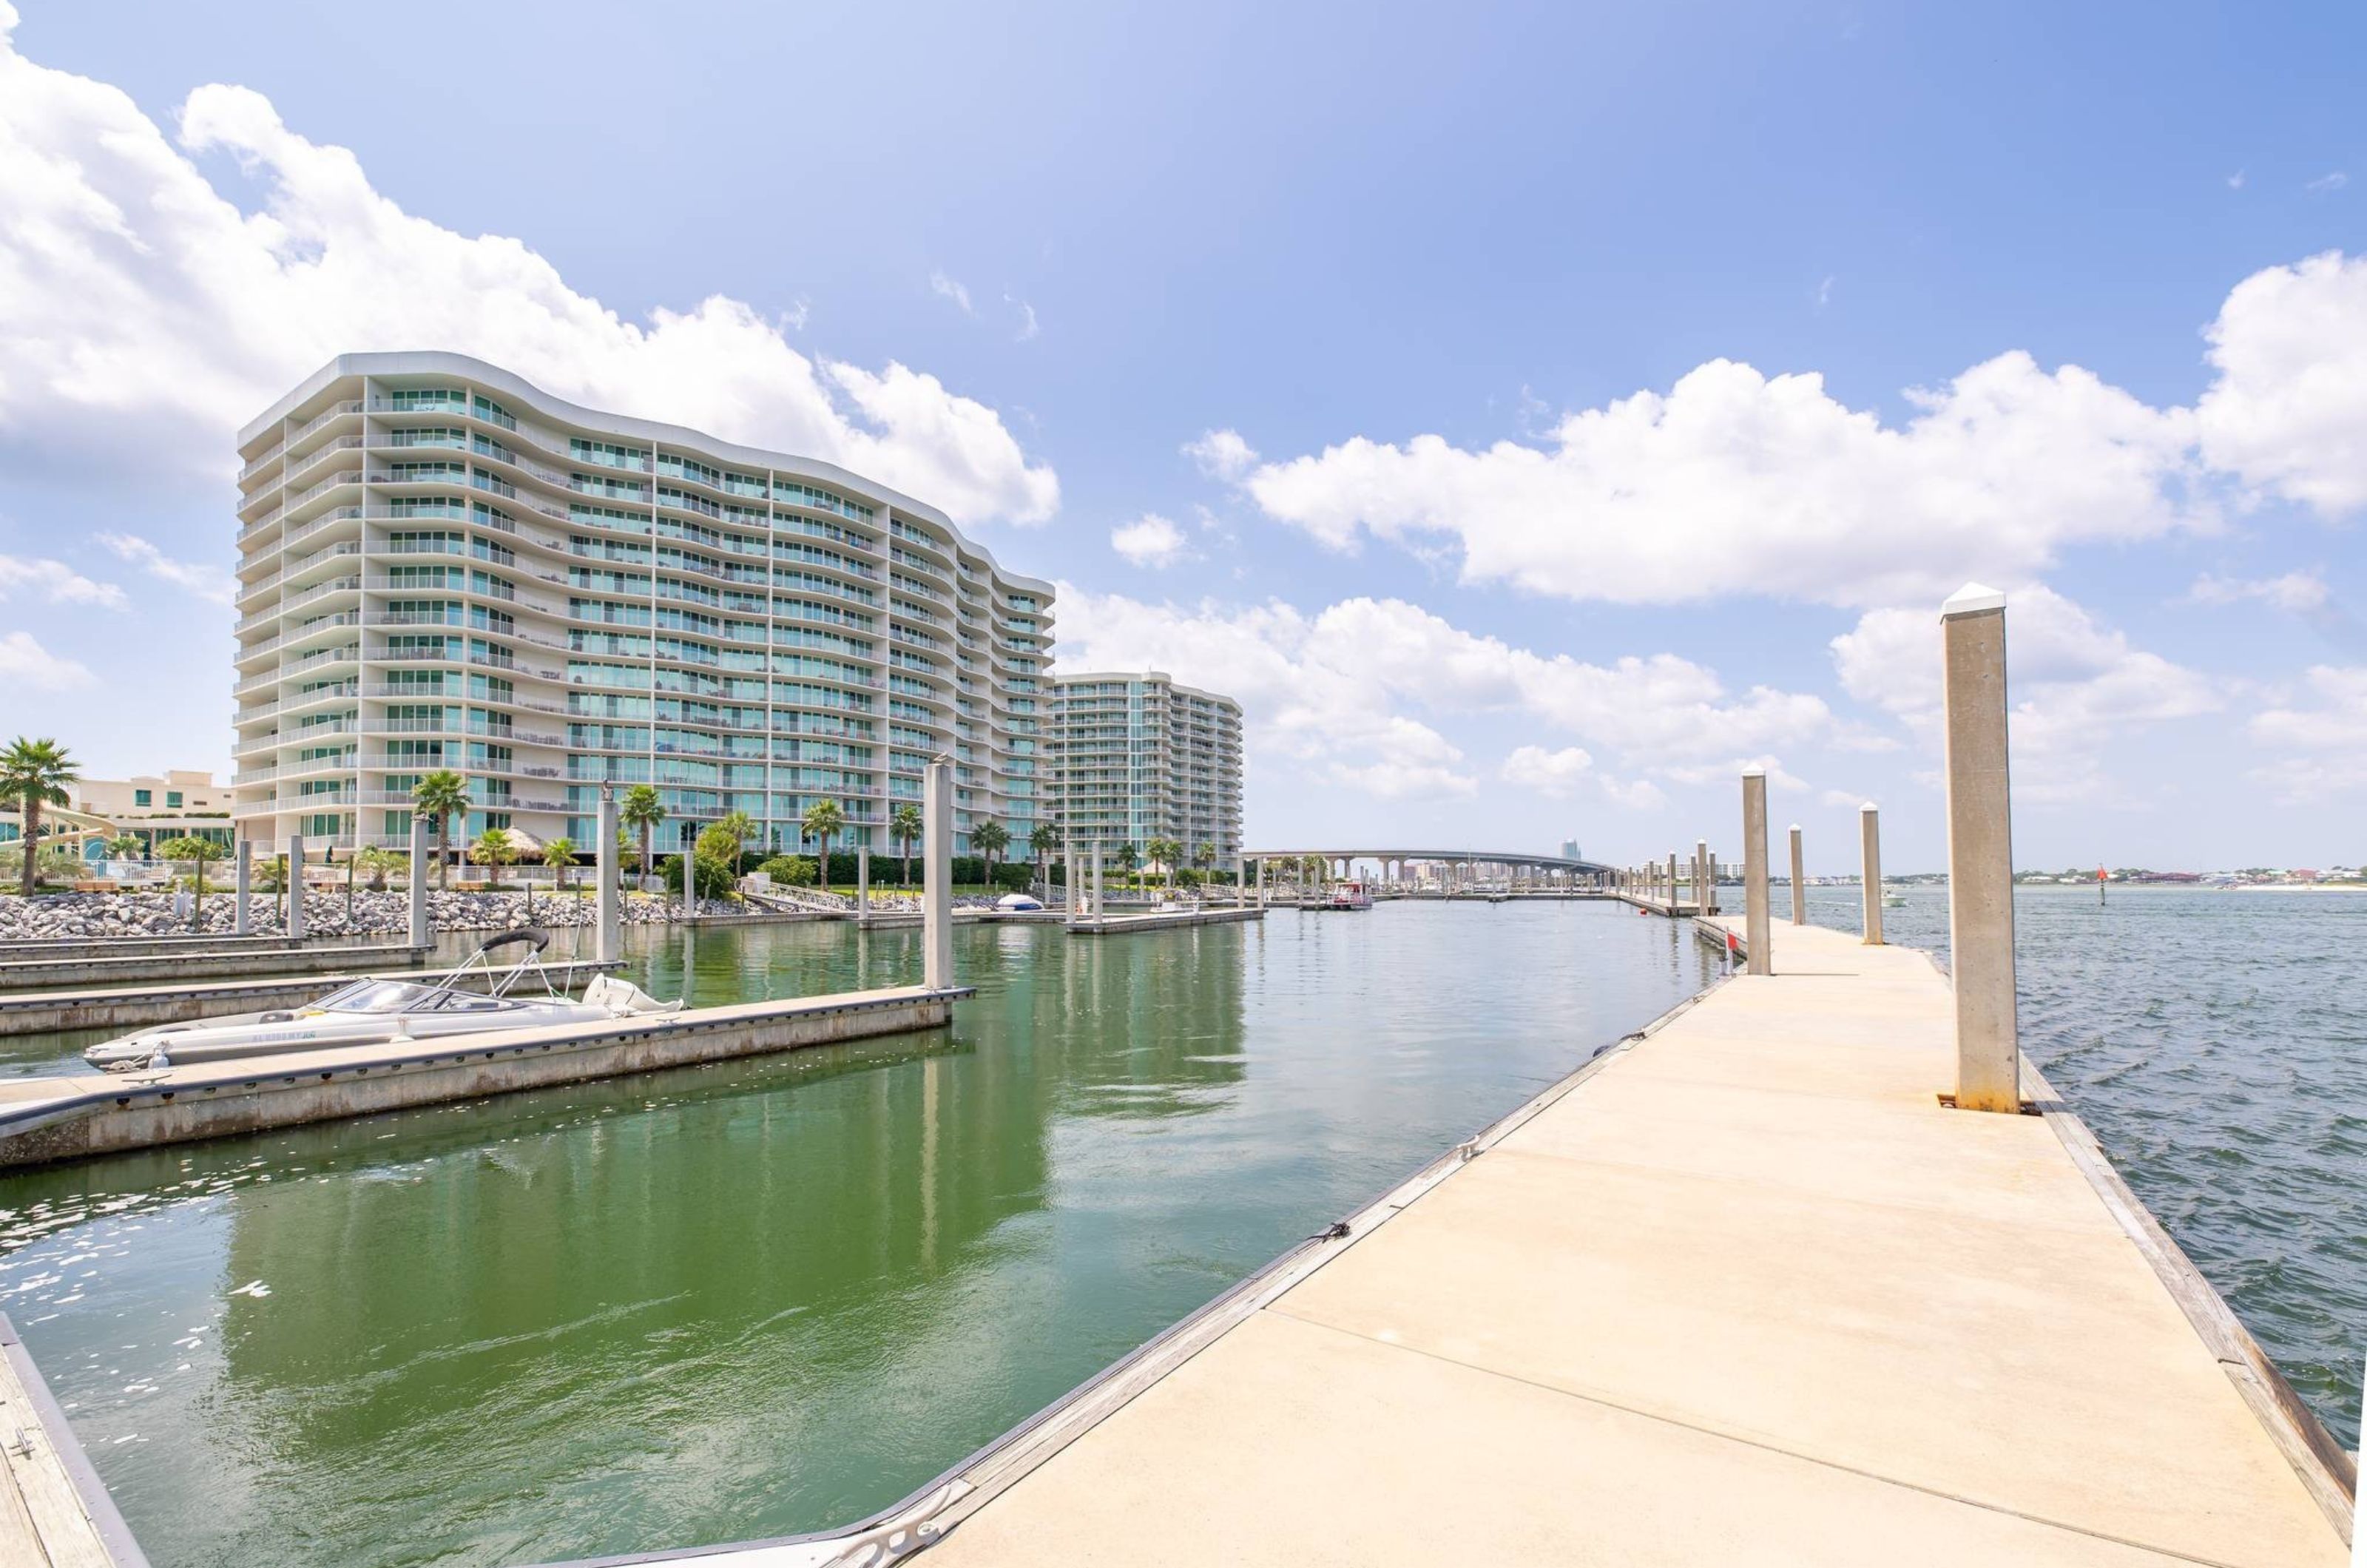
{"x":1162,"y":920}
{"x":82,"y":1114}
{"x":53,"y":1511}
{"x":1740,"y":1290}
{"x":130,"y":1007}
{"x":84,"y":965}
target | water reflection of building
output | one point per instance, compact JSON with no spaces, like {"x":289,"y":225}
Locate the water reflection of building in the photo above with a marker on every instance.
{"x":738,"y":1299}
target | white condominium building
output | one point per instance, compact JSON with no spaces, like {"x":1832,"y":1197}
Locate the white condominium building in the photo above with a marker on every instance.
{"x":441,"y":567}
{"x":1141,"y":758}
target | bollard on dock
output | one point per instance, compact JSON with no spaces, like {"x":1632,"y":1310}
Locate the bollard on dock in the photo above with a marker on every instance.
{"x":607,"y":944}
{"x":295,"y":887}
{"x":937,"y":876}
{"x":1799,"y":881}
{"x":1755,"y":932}
{"x":1980,"y":851}
{"x":1869,"y":832}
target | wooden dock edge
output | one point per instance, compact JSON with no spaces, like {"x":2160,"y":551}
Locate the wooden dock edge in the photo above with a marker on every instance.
{"x":927,"y":1513}
{"x":65,"y":1504}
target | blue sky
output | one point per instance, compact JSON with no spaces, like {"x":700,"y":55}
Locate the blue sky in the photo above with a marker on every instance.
{"x":1097,"y":234}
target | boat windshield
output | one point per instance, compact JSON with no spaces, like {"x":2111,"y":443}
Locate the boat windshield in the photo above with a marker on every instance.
{"x":405,"y":996}
{"x":377,"y":996}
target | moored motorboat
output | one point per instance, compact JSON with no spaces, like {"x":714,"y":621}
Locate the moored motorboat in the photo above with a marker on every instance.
{"x":377,"y":1009}
{"x":1348,"y":896}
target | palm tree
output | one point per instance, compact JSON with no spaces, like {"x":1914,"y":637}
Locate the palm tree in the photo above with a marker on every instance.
{"x":1206,"y":857}
{"x":739,"y":828}
{"x":1164,"y":853}
{"x":1127,"y":858}
{"x":821,"y":822}
{"x":34,"y":773}
{"x":125,"y":846}
{"x":439,"y":798}
{"x":989,"y":838}
{"x":1043,"y":841}
{"x":495,"y":849}
{"x":378,"y":863}
{"x":642,"y":810}
{"x":905,"y":828}
{"x":559,"y":854}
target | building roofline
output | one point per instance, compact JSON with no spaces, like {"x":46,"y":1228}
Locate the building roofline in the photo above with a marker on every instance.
{"x":440,"y":362}
{"x":1159,"y":675}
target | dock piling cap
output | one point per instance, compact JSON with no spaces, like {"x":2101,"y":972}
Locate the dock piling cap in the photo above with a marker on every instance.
{"x":1869,"y":806}
{"x":1971,"y":599}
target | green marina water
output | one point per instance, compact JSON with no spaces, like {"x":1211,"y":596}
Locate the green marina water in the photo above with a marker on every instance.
{"x":773,"y":1296}
{"x":777,"y":1295}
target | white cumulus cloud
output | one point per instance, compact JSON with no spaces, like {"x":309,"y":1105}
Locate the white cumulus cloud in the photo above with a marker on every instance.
{"x":26,"y":664}
{"x":2290,"y":400}
{"x":1149,"y":540}
{"x":212,"y":583}
{"x":1222,"y":455}
{"x":1557,"y":774}
{"x":143,"y":316}
{"x":1734,"y":482}
{"x":2320,"y":748}
{"x":1357,"y":692}
{"x":2297,"y":592}
{"x":2074,"y":685}
{"x":57,"y":582}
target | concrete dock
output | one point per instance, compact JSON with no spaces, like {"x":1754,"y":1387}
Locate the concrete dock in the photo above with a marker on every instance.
{"x":174,"y":967}
{"x":1741,"y":1290}
{"x":1162,"y":920}
{"x":53,"y":1511}
{"x":130,"y":1006}
{"x":79,"y":1115}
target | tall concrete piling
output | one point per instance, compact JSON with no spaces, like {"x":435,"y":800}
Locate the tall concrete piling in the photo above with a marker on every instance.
{"x":1869,"y":834}
{"x":242,"y":910}
{"x":1094,"y":907}
{"x":1799,"y":880}
{"x":1756,"y":931}
{"x":937,"y":876}
{"x":1069,"y":883}
{"x":1672,"y":884}
{"x":862,"y":879}
{"x":609,"y":943}
{"x":1980,"y":851}
{"x":418,"y":881}
{"x":1704,"y":879}
{"x":295,"y":887}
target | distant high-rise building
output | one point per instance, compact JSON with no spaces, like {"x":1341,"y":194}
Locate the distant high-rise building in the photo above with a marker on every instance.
{"x":1142,"y":758}
{"x":1570,"y":849}
{"x":443,"y":567}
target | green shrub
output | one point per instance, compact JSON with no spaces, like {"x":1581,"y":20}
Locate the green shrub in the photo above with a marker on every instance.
{"x":714,"y":877}
{"x":789,"y":871}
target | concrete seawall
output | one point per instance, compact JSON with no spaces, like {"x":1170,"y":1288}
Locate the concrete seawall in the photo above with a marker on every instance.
{"x":46,"y":1120}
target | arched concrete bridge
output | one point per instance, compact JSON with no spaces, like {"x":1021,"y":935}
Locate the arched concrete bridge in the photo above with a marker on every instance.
{"x":1455,"y":867}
